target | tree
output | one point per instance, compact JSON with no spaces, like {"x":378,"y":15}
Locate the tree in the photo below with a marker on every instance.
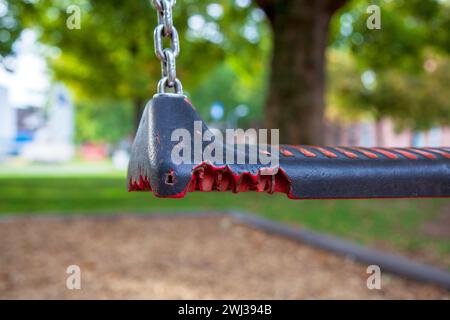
{"x":414,"y":100}
{"x":10,"y":28}
{"x":400,"y":71}
{"x":111,"y":56}
{"x":297,"y":83}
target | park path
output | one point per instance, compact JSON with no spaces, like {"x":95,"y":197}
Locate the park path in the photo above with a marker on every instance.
{"x":178,"y":258}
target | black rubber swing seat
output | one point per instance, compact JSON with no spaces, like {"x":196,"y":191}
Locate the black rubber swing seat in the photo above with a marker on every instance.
{"x":304,"y":172}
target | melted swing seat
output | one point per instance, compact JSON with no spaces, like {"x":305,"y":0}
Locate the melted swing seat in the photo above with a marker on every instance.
{"x":304,"y":172}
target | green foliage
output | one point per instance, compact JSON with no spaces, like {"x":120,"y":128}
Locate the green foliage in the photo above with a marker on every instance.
{"x":408,"y":30}
{"x":226,"y":57}
{"x":103,"y":121}
{"x":225,"y":85}
{"x":111,"y":56}
{"x":10,"y":26}
{"x":417,"y":100}
{"x":408,"y":59}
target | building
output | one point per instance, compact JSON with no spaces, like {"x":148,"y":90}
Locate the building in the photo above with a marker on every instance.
{"x":383,"y":134}
{"x":8,"y":124}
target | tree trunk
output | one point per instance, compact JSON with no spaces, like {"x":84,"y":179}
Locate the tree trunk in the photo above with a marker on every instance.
{"x":295,"y":101}
{"x":139,"y":106}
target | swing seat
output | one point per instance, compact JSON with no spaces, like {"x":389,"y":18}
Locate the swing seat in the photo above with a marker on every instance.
{"x":304,"y":172}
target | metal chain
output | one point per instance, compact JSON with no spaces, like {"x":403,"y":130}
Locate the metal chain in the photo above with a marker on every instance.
{"x":167,"y":56}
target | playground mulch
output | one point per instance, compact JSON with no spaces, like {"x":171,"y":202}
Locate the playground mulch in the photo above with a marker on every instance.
{"x":178,"y":258}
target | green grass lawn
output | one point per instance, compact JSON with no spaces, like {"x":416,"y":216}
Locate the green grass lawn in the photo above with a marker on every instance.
{"x":397,"y":224}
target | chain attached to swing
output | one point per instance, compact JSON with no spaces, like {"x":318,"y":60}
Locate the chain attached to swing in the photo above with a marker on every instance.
{"x":167,"y":56}
{"x":302,"y":172}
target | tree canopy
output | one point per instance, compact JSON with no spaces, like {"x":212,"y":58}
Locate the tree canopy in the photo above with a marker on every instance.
{"x":400,"y":70}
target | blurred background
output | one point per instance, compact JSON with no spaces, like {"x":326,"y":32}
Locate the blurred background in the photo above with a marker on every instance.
{"x":71,"y":96}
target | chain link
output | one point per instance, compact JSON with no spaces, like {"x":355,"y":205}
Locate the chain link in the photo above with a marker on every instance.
{"x":167,"y":56}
